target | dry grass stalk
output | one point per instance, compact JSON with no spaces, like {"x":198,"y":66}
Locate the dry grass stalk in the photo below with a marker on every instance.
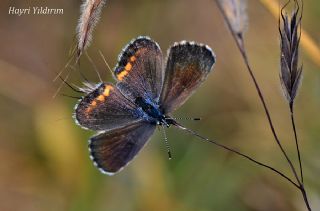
{"x":90,"y":14}
{"x":291,"y":71}
{"x":308,"y":44}
{"x":233,"y":22}
{"x":235,"y":11}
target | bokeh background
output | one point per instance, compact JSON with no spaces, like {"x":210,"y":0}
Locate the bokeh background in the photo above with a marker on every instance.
{"x":44,"y":163}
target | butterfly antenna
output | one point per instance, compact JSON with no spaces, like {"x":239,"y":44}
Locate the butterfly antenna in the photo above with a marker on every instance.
{"x":166,"y":142}
{"x":186,"y":118}
{"x":94,"y":66}
{"x":181,"y":127}
{"x":105,"y":61}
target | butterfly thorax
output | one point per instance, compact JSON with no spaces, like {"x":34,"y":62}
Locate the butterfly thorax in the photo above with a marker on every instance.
{"x":152,"y":110}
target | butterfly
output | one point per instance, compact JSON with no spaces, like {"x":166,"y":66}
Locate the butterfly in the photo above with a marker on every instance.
{"x":147,"y":90}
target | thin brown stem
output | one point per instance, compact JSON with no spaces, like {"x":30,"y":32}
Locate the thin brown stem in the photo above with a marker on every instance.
{"x":305,"y":197}
{"x":236,"y":152}
{"x":267,"y":112}
{"x":296,"y":140}
{"x":240,"y":44}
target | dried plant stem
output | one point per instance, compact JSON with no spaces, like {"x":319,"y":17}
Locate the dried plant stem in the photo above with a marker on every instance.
{"x":244,"y":55}
{"x":238,"y":153}
{"x":90,"y":15}
{"x":240,"y":44}
{"x":296,"y":140}
{"x":305,"y":197}
{"x":307,"y":43}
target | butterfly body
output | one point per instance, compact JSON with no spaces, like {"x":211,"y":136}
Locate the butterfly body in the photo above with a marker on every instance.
{"x":152,"y":111}
{"x":126,"y":114}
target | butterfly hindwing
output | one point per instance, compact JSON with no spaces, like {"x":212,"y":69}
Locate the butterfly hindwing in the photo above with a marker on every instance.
{"x":105,"y":108}
{"x":188,"y":65}
{"x":112,"y":150}
{"x":139,"y":71}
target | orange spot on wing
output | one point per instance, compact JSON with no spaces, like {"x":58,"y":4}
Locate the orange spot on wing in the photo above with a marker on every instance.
{"x":133,"y":58}
{"x":122,"y":74}
{"x":125,"y":71}
{"x":128,"y":66}
{"x":93,"y":103}
{"x":101,"y":98}
{"x":107,"y":90}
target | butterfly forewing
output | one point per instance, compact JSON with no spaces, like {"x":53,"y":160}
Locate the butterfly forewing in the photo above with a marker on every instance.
{"x":112,"y":150}
{"x":187,"y":66}
{"x":139,"y":71}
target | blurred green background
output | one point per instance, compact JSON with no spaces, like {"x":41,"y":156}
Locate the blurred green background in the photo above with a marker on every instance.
{"x":44,"y":158}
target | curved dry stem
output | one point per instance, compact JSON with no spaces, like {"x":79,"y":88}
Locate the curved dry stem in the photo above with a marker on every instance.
{"x":240,"y":44}
{"x":296,"y":141}
{"x":179,"y":126}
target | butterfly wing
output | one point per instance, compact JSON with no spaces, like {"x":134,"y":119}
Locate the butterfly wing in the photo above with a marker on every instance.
{"x":139,"y":71}
{"x":105,"y":108}
{"x":188,"y":65}
{"x":112,"y":150}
